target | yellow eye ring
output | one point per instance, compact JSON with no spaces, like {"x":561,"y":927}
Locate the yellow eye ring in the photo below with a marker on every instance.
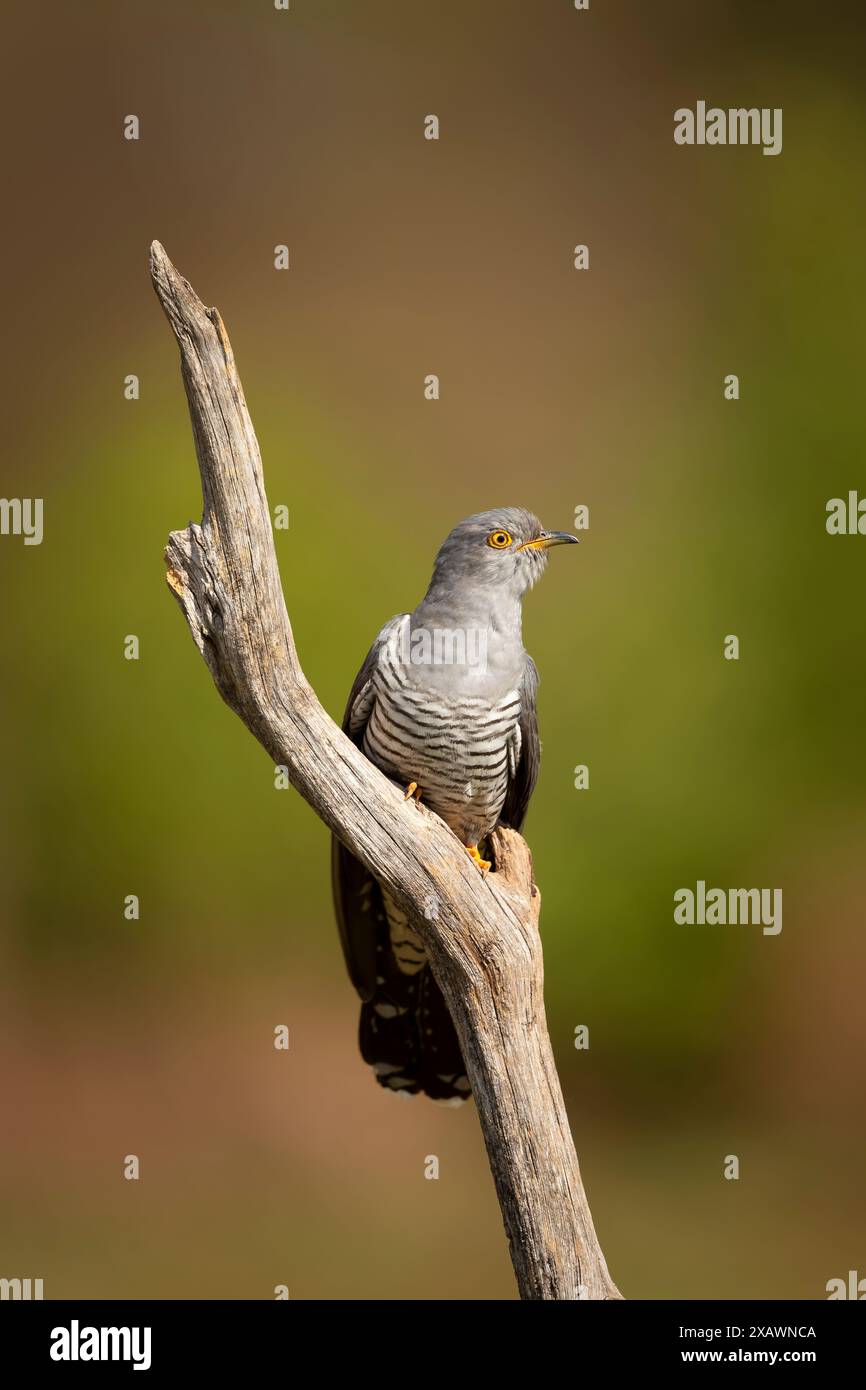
{"x":499,"y":540}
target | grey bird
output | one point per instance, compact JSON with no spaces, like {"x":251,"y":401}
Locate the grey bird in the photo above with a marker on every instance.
{"x":444,"y":704}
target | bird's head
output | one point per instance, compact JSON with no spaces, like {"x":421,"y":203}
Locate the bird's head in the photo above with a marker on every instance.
{"x":504,"y":549}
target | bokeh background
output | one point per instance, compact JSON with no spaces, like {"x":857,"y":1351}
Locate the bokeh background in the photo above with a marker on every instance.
{"x":558,"y":388}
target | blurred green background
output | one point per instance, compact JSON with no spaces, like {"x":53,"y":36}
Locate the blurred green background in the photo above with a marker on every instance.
{"x":558,"y":388}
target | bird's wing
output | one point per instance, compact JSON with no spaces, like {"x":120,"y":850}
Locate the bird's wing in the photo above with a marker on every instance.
{"x":356,"y":893}
{"x":521,"y":782}
{"x":359,"y":705}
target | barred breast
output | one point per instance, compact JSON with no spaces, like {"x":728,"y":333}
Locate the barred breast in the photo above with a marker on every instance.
{"x":461,"y":750}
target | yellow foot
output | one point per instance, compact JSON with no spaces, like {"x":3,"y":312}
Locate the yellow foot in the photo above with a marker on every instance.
{"x":413,"y":790}
{"x":483,"y":864}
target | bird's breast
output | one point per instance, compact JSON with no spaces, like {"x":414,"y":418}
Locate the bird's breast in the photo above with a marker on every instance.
{"x":460,"y":748}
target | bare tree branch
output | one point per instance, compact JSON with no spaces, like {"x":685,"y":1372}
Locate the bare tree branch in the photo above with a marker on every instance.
{"x":481,"y":934}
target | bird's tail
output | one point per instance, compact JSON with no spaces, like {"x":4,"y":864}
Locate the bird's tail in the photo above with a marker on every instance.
{"x":406,"y":1033}
{"x":407,"y":1037}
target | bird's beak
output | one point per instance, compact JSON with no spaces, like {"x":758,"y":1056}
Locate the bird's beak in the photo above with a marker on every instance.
{"x":549,"y":538}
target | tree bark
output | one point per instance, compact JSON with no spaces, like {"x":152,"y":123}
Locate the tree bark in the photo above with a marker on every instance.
{"x":481,"y":934}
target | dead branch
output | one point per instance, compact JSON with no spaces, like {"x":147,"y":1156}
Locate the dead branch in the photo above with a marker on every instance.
{"x":481,"y":934}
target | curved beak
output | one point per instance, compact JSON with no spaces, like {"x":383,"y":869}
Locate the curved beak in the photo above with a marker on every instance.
{"x":549,"y":538}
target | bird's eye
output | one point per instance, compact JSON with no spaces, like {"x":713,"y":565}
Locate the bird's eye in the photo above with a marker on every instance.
{"x":499,"y":540}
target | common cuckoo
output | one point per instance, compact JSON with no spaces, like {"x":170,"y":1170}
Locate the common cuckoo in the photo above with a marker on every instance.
{"x":445,"y":705}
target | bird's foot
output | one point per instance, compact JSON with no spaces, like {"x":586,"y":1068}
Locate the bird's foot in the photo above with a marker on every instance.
{"x":483,"y":864}
{"x":413,"y":790}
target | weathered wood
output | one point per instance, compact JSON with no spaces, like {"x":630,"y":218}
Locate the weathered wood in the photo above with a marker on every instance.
{"x":481,"y":934}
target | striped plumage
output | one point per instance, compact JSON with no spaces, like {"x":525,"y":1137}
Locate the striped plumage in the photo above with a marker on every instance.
{"x":462,"y":750}
{"x":457,"y":718}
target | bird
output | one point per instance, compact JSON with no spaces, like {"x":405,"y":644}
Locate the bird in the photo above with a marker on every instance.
{"x":445,"y":705}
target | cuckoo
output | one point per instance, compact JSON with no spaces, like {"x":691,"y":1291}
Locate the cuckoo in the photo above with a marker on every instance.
{"x":444,"y":704}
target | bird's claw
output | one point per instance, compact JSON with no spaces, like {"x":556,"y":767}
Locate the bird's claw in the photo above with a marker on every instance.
{"x":413,"y":790}
{"x":483,"y":864}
